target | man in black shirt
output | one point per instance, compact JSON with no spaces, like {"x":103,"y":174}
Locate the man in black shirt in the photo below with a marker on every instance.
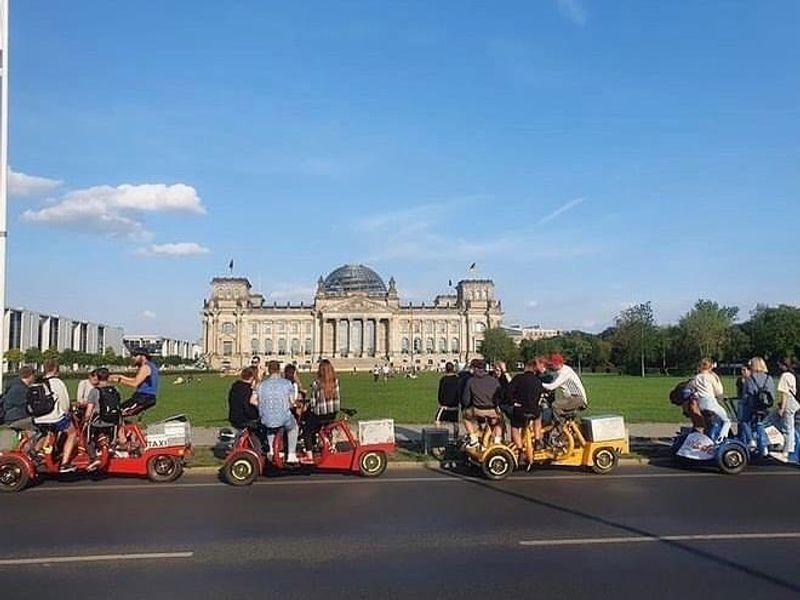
{"x":524,"y":393}
{"x":449,"y":399}
{"x":240,"y":411}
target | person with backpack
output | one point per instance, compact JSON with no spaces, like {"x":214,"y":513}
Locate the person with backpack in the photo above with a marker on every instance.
{"x":758,"y":393}
{"x":709,"y":390}
{"x":14,"y":402}
{"x":102,"y":411}
{"x":52,"y":393}
{"x":787,"y":405}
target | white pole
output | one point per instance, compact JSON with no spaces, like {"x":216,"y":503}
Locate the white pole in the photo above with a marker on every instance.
{"x":3,"y":173}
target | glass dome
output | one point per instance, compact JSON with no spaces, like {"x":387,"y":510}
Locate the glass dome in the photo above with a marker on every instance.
{"x":354,"y":278}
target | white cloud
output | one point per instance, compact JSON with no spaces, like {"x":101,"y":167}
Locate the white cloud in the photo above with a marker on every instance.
{"x":21,"y":185}
{"x":561,"y":210}
{"x":116,"y":210}
{"x":533,"y":303}
{"x":174,"y":249}
{"x":573,"y":10}
{"x":149,"y":314}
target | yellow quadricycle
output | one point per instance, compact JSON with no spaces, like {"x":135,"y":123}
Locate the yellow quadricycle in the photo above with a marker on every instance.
{"x":595,"y":442}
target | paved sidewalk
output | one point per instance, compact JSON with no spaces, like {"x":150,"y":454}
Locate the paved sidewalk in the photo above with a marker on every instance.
{"x":643,"y":432}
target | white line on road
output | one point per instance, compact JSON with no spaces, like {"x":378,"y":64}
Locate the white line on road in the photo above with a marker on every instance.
{"x":14,"y":562}
{"x":433,"y":478}
{"x":722,"y":537}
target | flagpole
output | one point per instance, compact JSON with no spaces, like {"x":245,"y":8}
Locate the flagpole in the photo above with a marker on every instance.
{"x":3,"y":175}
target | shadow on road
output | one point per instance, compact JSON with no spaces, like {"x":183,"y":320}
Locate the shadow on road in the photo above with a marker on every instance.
{"x":719,"y":560}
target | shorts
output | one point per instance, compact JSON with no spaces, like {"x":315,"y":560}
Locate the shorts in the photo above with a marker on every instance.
{"x":520,"y":417}
{"x":446,"y":414}
{"x":62,"y":424}
{"x":138,"y":403}
{"x":474,"y":413}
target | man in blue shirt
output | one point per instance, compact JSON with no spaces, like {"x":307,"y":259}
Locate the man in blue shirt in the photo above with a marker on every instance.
{"x":275,"y":401}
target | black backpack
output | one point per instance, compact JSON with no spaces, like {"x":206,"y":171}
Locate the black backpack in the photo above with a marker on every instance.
{"x":40,"y":399}
{"x":763,"y":397}
{"x":681,"y":393}
{"x":109,"y":404}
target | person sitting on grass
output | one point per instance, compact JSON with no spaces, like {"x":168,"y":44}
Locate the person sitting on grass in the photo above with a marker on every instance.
{"x":275,"y":403}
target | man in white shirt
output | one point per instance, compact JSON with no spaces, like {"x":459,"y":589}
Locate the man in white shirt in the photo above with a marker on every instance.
{"x":787,"y":404}
{"x":59,"y":419}
{"x":574,"y":394}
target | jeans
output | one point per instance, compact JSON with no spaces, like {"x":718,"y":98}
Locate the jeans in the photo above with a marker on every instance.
{"x":745,"y":416}
{"x":290,"y":426}
{"x":787,"y":423}
{"x":707,"y":403}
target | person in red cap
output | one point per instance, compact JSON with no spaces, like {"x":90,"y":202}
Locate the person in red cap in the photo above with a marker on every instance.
{"x":567,"y":380}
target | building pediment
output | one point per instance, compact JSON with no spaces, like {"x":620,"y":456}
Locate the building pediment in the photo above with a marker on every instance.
{"x":352,"y":304}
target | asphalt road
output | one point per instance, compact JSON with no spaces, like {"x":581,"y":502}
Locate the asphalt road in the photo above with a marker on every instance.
{"x":644,"y":532}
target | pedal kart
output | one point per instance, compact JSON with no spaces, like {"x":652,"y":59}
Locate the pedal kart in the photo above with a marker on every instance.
{"x":730,"y":455}
{"x":596,"y":443}
{"x":338,"y":449}
{"x":159,"y":453}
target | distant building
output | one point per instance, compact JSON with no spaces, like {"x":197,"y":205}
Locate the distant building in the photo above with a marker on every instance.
{"x":25,"y":329}
{"x":531,"y":332}
{"x":355,"y":319}
{"x":161,"y":346}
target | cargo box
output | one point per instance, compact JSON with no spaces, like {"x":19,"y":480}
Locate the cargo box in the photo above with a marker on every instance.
{"x":169,"y":433}
{"x":604,"y":428}
{"x":376,"y":432}
{"x":8,"y":439}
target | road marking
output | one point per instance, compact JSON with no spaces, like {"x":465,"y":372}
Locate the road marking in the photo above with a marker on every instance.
{"x":445,"y":477}
{"x":52,"y":560}
{"x":661,"y":538}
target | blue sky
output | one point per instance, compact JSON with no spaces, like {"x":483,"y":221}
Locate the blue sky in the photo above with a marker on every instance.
{"x":586,"y":155}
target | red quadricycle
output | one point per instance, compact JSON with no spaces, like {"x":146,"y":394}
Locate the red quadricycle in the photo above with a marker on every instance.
{"x":337,"y":449}
{"x":159,"y":452}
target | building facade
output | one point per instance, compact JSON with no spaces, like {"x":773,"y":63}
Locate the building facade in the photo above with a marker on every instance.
{"x":25,"y":329}
{"x":355,"y":319}
{"x":161,"y":346}
{"x":531,"y":332}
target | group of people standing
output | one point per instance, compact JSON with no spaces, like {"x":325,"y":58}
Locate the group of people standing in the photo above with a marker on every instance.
{"x":756,"y":393}
{"x":277,"y":400}
{"x":493,"y":396}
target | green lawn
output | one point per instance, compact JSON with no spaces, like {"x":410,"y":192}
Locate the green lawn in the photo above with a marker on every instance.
{"x":414,"y":401}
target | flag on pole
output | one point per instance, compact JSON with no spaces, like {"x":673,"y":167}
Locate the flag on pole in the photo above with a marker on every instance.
{"x":472,"y":268}
{"x":230,"y":266}
{"x":449,"y":283}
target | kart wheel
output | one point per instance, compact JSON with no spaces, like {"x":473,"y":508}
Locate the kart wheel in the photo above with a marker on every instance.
{"x":497,"y":464}
{"x":372,"y":464}
{"x":164,"y":468}
{"x":242,"y":470}
{"x":732,"y":460}
{"x":13,"y":476}
{"x":604,"y":461}
{"x":439,"y":452}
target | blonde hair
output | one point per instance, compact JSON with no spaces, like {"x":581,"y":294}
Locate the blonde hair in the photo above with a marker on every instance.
{"x":705,"y":365}
{"x":757,"y":365}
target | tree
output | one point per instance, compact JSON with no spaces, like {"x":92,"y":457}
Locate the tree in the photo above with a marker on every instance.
{"x":634,"y":336}
{"x":706,"y":328}
{"x":497,"y":345}
{"x":51,"y":354}
{"x":109,"y":356}
{"x":14,"y":356}
{"x":774,"y":331}
{"x":33,"y":356}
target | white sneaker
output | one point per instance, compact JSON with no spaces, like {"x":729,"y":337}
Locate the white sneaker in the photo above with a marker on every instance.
{"x":292,"y":458}
{"x":781,"y":456}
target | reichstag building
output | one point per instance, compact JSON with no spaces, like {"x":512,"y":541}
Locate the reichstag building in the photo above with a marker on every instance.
{"x":355,"y":319}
